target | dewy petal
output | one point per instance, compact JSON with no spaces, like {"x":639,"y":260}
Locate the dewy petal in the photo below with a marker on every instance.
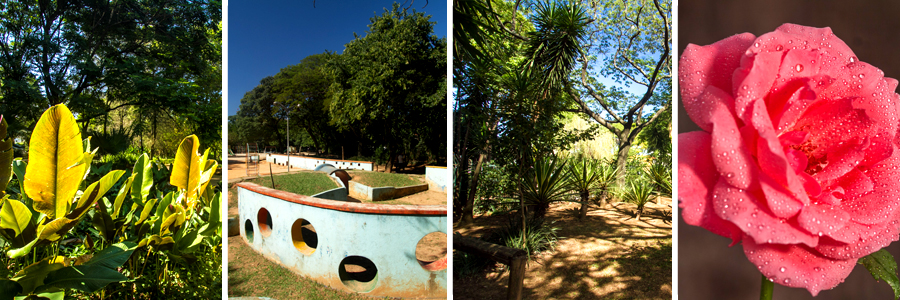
{"x":753,"y":80}
{"x":730,"y":154}
{"x":770,"y":154}
{"x":744,"y":210}
{"x":780,"y":201}
{"x":876,"y":237}
{"x":881,"y":203}
{"x":822,"y":219}
{"x":696,"y":178}
{"x":842,"y":159}
{"x":711,"y":65}
{"x":797,"y":266}
{"x":711,"y":107}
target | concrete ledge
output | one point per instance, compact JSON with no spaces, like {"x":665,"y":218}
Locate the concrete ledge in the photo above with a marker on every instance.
{"x":438,"y":178}
{"x":310,"y":163}
{"x":364,"y":192}
{"x":328,"y":241}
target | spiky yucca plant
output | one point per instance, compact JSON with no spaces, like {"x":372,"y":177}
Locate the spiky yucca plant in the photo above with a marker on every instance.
{"x":583,"y":178}
{"x":638,"y":192}
{"x":547,"y":183}
{"x":660,"y":173}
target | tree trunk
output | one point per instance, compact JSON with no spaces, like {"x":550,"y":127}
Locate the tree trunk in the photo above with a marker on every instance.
{"x":638,"y":213}
{"x":622,"y":159}
{"x":473,"y":187}
{"x":584,"y":204}
{"x":467,"y":213}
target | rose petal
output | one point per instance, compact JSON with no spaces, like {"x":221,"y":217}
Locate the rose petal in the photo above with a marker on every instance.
{"x":696,"y":178}
{"x":842,"y":159}
{"x":879,"y":205}
{"x":770,"y":154}
{"x":822,"y":219}
{"x":753,"y":81}
{"x":866,"y":244}
{"x":713,"y":104}
{"x":712,"y":65}
{"x":743,"y":209}
{"x":797,"y":266}
{"x":730,"y":154}
{"x":780,"y":201}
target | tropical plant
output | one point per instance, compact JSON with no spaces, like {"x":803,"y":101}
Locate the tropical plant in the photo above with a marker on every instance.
{"x":660,"y":174}
{"x":546,"y":183}
{"x":583,"y":178}
{"x":535,"y":237}
{"x":44,"y":210}
{"x":607,"y":173}
{"x":637,"y":192}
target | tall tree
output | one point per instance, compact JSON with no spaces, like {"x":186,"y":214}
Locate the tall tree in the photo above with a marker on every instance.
{"x":391,"y":84}
{"x":629,"y":42}
{"x":99,"y":56}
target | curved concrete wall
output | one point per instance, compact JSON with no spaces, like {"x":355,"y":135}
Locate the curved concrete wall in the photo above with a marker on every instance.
{"x":310,"y":163}
{"x":437,"y":178}
{"x":364,"y":248}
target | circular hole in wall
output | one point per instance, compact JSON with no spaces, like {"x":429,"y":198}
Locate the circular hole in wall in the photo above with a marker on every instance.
{"x":358,"y":273}
{"x":304,"y":235}
{"x":264,"y":219}
{"x":248,"y":230}
{"x":431,"y":251}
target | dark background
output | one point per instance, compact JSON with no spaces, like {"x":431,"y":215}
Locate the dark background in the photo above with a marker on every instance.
{"x":707,"y":268}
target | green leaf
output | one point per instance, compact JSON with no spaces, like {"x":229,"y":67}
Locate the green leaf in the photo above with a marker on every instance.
{"x":87,"y":278}
{"x":143,"y":179}
{"x":56,"y":154}
{"x":882,"y":266}
{"x":14,"y":215}
{"x":120,"y":198}
{"x":9,"y":289}
{"x":33,"y":275}
{"x":113,"y":256}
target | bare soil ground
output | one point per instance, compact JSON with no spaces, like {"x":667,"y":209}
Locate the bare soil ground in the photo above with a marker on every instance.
{"x":608,"y":255}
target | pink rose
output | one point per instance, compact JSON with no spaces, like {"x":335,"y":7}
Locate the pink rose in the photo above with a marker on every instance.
{"x":798,"y":155}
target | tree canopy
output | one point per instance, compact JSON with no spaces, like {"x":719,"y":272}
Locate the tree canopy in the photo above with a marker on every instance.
{"x":383,"y":96}
{"x":160,"y":60}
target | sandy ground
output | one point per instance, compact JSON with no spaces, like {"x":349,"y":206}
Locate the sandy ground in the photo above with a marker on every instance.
{"x":607,"y":255}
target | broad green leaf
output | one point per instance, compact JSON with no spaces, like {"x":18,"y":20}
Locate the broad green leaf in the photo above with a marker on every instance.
{"x":60,"y":295}
{"x":6,"y":156}
{"x":148,"y":207}
{"x":22,"y":251}
{"x":88,"y":157}
{"x":120,"y":198}
{"x":14,"y":215}
{"x":104,"y":224}
{"x":33,"y":275}
{"x":882,"y":266}
{"x":186,"y":167}
{"x":113,"y":256}
{"x":55,"y":230}
{"x":94,"y":192}
{"x":9,"y":289}
{"x":87,"y":278}
{"x":206,"y":178}
{"x":143,"y":179}
{"x":56,"y":157}
{"x":18,"y":167}
{"x":215,"y":212}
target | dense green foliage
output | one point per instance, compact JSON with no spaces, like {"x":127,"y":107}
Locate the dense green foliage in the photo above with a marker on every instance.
{"x":382,"y":97}
{"x":139,"y":72}
{"x":525,"y":67}
{"x":153,"y":231}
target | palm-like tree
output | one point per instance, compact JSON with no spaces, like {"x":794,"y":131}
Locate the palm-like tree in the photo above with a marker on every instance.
{"x":547,"y":183}
{"x":606,"y":176}
{"x":583,"y":178}
{"x":637,"y":192}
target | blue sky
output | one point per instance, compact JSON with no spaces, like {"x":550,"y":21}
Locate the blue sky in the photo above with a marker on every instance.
{"x":265,"y":36}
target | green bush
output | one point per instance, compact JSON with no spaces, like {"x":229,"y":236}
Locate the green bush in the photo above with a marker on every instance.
{"x":539,"y":236}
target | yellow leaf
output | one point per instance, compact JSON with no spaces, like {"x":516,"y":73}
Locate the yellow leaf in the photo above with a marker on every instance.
{"x":55,"y":167}
{"x":186,"y":168}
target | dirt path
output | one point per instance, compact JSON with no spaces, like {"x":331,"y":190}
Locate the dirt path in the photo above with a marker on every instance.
{"x":608,"y":255}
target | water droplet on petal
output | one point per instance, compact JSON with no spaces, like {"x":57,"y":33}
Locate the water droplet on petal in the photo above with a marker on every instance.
{"x":782,"y":269}
{"x":798,"y":68}
{"x":779,"y":48}
{"x":853,"y":59}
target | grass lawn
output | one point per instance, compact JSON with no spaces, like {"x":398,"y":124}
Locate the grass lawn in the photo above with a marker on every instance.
{"x":303,"y":183}
{"x":378,"y":179}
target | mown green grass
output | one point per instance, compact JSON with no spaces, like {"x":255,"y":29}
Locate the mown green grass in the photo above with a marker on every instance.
{"x":303,"y":183}
{"x":378,"y":179}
